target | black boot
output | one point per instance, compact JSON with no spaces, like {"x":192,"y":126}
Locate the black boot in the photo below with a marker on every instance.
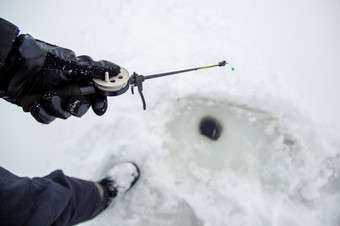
{"x":119,"y":180}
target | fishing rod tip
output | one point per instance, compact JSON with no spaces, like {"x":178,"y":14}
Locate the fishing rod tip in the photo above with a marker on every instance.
{"x":222,"y":63}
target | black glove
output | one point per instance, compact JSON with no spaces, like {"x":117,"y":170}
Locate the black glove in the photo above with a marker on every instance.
{"x":39,"y":68}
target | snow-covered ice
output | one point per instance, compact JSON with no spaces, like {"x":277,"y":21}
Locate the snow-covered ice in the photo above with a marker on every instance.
{"x":277,"y":161}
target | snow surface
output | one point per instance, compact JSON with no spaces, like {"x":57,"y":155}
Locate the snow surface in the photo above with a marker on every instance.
{"x":278,"y":159}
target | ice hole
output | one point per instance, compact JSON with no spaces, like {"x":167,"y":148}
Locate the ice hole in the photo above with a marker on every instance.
{"x":210,"y":128}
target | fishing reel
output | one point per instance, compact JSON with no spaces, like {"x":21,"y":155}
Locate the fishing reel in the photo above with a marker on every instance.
{"x":113,"y":86}
{"x":117,"y":85}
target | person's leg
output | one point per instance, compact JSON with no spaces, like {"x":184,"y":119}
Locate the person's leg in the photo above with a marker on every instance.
{"x":54,"y":199}
{"x":84,"y":201}
{"x":57,"y":199}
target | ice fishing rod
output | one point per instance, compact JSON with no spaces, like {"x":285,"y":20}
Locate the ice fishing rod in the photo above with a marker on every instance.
{"x":111,"y":86}
{"x":136,"y":80}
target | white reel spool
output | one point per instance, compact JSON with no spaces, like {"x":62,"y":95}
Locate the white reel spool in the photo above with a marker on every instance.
{"x":112,"y":86}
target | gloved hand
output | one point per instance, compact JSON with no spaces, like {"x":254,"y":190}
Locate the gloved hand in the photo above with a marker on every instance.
{"x":36,"y":67}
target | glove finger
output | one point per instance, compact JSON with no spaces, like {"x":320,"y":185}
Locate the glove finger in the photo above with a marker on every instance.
{"x":38,"y":112}
{"x":54,"y":105}
{"x":79,"y":105}
{"x":98,"y":68}
{"x":99,"y":104}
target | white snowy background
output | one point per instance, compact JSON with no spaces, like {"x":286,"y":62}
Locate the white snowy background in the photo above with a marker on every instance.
{"x":277,"y":161}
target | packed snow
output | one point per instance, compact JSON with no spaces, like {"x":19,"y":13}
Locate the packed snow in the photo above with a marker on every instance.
{"x":277,"y":161}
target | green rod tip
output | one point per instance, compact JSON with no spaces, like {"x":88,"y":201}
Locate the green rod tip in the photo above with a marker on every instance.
{"x":233,"y":69}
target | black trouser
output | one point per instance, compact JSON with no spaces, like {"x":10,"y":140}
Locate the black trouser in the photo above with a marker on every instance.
{"x":52,"y":200}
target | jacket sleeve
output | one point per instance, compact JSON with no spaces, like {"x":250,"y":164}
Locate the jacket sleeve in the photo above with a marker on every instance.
{"x":8,"y":34}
